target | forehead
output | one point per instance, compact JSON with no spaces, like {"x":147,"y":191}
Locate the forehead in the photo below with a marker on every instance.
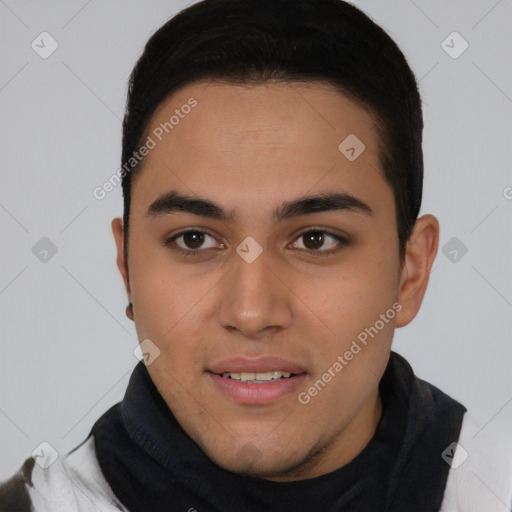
{"x":241,"y":142}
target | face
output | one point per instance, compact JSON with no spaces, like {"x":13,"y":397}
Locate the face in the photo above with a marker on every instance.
{"x":260,"y":254}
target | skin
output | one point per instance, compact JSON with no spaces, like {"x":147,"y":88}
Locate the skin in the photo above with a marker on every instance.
{"x":248,"y":149}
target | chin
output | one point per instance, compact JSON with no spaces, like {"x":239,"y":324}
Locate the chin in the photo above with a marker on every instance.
{"x":266,"y":468}
{"x":250,"y":460}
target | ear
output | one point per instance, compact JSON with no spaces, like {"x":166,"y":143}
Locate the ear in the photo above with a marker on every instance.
{"x":118,"y":231}
{"x":420,"y":254}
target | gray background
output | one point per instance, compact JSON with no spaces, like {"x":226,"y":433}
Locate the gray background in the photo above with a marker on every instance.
{"x":67,"y":348}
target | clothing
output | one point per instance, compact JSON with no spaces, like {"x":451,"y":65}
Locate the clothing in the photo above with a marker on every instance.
{"x":138,"y":458}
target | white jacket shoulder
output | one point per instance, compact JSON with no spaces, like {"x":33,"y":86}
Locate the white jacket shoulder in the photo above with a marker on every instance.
{"x":480,"y":476}
{"x":73,"y":483}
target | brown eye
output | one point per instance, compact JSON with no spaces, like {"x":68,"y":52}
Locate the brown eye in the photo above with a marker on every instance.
{"x":192,"y":242}
{"x":313,"y":239}
{"x":193,"y":239}
{"x":320,"y":241}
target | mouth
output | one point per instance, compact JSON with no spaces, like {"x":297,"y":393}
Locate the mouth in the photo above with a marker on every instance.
{"x":246,"y":380}
{"x":250,"y":388}
{"x":258,"y":377}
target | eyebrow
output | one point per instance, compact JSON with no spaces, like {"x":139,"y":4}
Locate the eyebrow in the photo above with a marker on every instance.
{"x":173,"y":201}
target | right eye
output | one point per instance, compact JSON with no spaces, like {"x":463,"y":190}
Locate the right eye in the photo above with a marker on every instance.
{"x":191,"y":241}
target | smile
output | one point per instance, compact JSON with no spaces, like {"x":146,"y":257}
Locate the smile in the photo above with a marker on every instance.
{"x":258,"y":387}
{"x":257,"y":378}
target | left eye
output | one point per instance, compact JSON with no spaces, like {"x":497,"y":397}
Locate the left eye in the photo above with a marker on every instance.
{"x":314,"y":240}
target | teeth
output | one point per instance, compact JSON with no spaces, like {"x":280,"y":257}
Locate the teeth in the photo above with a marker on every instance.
{"x":257,"y":377}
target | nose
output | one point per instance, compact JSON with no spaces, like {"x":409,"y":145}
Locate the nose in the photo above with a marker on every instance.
{"x":256,"y":300}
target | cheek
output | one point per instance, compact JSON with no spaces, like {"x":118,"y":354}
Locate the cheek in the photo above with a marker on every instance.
{"x":354,"y":296}
{"x":166,"y":300}
{"x":354,"y":318}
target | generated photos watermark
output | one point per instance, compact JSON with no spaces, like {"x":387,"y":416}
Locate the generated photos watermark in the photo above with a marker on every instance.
{"x":355,"y":348}
{"x":152,"y":141}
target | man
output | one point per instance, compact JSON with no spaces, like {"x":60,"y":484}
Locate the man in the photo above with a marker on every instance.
{"x":272,"y":177}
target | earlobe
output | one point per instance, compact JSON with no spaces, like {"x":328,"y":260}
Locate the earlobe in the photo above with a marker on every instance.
{"x":118,"y":232}
{"x":420,"y":254}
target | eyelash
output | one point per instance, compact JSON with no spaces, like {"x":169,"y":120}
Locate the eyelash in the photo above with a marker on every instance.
{"x":169,"y":243}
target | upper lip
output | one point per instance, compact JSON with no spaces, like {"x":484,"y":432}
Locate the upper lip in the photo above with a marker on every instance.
{"x":254,"y":365}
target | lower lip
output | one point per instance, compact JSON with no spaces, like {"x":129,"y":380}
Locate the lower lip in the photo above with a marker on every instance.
{"x":248,"y":393}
